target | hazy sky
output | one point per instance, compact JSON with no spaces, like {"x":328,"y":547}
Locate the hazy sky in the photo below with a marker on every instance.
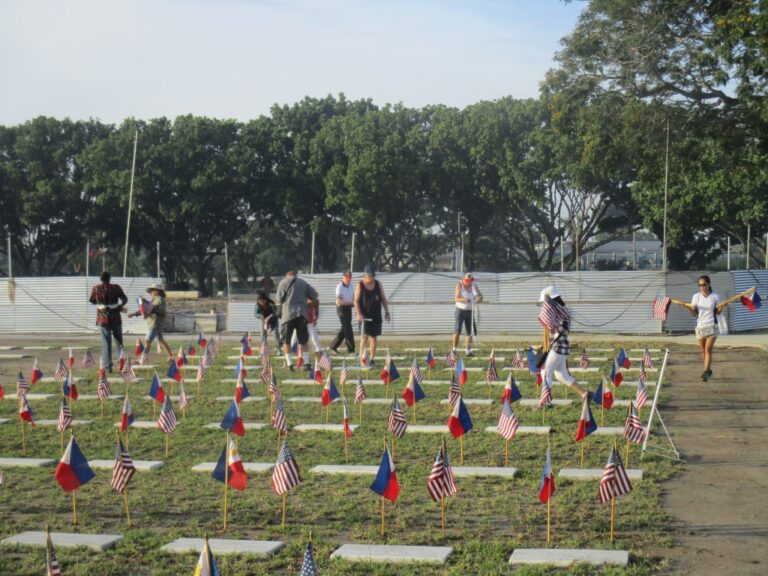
{"x":111,"y":59}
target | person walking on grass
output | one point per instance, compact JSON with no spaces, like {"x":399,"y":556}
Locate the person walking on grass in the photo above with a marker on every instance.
{"x":155,"y":320}
{"x":466,"y":295}
{"x":369,"y":300}
{"x":109,"y":300}
{"x":345,"y":301}
{"x":293,"y":293}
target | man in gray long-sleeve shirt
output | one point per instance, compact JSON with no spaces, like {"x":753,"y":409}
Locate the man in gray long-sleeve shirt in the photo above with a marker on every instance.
{"x":292,"y":296}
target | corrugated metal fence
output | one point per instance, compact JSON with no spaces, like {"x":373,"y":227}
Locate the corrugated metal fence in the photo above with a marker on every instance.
{"x":60,"y":304}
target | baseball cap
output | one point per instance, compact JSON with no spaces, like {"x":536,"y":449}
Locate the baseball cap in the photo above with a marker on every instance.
{"x":550,"y":291}
{"x":369,"y":271}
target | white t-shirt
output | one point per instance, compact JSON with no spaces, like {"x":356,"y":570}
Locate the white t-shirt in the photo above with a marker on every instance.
{"x":470,"y":295}
{"x":706,"y":307}
{"x":346,"y":293}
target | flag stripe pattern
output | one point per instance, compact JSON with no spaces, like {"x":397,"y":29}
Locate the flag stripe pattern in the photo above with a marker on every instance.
{"x":633,"y":428}
{"x":167,"y":420}
{"x":286,"y":474}
{"x":65,"y":417}
{"x":123,"y":468}
{"x":278,"y":417}
{"x":397,"y":423}
{"x":360,"y":394}
{"x":661,"y":308}
{"x":508,"y":423}
{"x":441,"y":482}
{"x":615,"y":481}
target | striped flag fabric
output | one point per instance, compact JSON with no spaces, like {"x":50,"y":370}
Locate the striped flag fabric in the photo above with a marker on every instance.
{"x":633,"y":428}
{"x":416,"y":372}
{"x":661,"y":308}
{"x":88,"y":360}
{"x":552,"y":313}
{"x":207,"y":359}
{"x":441,"y":482}
{"x":396,"y":423}
{"x":65,"y":416}
{"x":274,"y":391}
{"x":123,"y":468}
{"x":167,"y":420}
{"x":508,"y":424}
{"x":286,"y":473}
{"x":266,"y":373}
{"x":264,"y":351}
{"x":51,"y":562}
{"x":69,"y":388}
{"x":344,"y":374}
{"x":308,"y":565}
{"x":360,"y":394}
{"x":545,"y":397}
{"x":642,"y":376}
{"x":232,"y":422}
{"x":641,"y":396}
{"x":330,"y":393}
{"x":183,"y":399}
{"x":454,"y":392}
{"x":752,"y":301}
{"x":201,"y":371}
{"x":144,"y":358}
{"x":615,"y":481}
{"x":517,"y":360}
{"x":22,"y":386}
{"x":451,"y":358}
{"x":647,"y":360}
{"x":491,"y":374}
{"x":103,"y":390}
{"x":61,"y":373}
{"x":128,"y":373}
{"x":278,"y":417}
{"x":584,"y":362}
{"x":325,"y":361}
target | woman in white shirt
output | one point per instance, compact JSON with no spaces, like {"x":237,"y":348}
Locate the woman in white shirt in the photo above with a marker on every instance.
{"x":706,"y":305}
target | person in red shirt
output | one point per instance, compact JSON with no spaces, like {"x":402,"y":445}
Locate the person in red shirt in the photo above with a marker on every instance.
{"x":109,"y":300}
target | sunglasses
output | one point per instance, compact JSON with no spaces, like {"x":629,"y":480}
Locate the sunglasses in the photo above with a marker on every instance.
{"x":703,"y":285}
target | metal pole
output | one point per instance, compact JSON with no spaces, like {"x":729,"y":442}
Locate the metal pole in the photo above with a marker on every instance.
{"x":226,"y":267}
{"x":158,"y":259}
{"x":460,"y":255}
{"x":576,"y":244}
{"x":352,"y":254}
{"x":130,"y":204}
{"x":749,"y":234}
{"x":634,"y":251}
{"x":462,"y":252}
{"x":728,"y":256}
{"x":562,"y":254}
{"x":666,"y":190}
{"x":87,"y":257}
{"x":766,"y":250}
{"x":10,"y":260}
{"x":312,"y":259}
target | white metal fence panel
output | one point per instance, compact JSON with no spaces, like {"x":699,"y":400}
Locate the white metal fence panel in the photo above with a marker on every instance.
{"x":741,"y":318}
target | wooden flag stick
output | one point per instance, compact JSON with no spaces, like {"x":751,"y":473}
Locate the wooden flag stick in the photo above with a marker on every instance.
{"x":154,"y":415}
{"x":461,"y":449}
{"x":414,"y":410}
{"x":626,"y":455}
{"x":62,"y":440}
{"x":285,"y":494}
{"x":126,"y":438}
{"x":613,"y":502}
{"x":23,"y":439}
{"x":127,"y":509}
{"x":226,"y":478}
{"x":549,"y":514}
{"x":346,"y":448}
{"x":101,"y":409}
{"x":278,"y":441}
{"x":506,"y":452}
{"x":581,"y":462}
{"x":74,"y":508}
{"x":166,"y":446}
{"x":602,"y":413}
{"x":394,"y":440}
{"x":442,"y":514}
{"x":382,"y":515}
{"x":327,"y":412}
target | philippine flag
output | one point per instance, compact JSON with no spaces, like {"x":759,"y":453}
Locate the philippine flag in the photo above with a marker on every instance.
{"x":69,"y":388}
{"x":139,"y":347}
{"x":389,"y":373}
{"x":25,"y":412}
{"x":201,"y":341}
{"x":511,"y":391}
{"x":430,"y":359}
{"x":246,"y":350}
{"x":461,"y":372}
{"x":386,"y":483}
{"x":241,"y":391}
{"x":616,"y":376}
{"x":37,"y":374}
{"x":318,"y":374}
{"x":531,"y":355}
{"x":232,"y":421}
{"x":240,"y":369}
{"x":126,"y":418}
{"x":71,"y":360}
{"x":191,"y":349}
{"x":587,"y":423}
{"x":413,"y":392}
{"x":752,"y":301}
{"x":623,"y":359}
{"x":181,"y":357}
{"x":236,"y":475}
{"x":603,"y":395}
{"x":73,"y":470}
{"x":347,"y":429}
{"x":330,"y":392}
{"x":459,"y":422}
{"x":174,"y":371}
{"x":156,"y":389}
{"x":547,"y":486}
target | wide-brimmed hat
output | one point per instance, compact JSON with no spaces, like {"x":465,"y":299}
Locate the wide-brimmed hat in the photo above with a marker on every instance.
{"x":158,"y":288}
{"x":550,"y":291}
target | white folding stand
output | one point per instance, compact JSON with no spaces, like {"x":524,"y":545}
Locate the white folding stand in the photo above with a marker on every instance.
{"x":663,"y":450}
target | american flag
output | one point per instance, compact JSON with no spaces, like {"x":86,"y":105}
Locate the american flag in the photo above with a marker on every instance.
{"x":344,"y":375}
{"x":396,"y":423}
{"x":103,"y":389}
{"x":264,"y":351}
{"x":207,"y":359}
{"x":615,"y":481}
{"x":641,"y":397}
{"x":633,"y":428}
{"x":508,"y":423}
{"x":274,"y":391}
{"x":325,"y":361}
{"x":127,"y":372}
{"x":216,"y":344}
{"x":123,"y":468}
{"x":51,"y":562}
{"x":65,"y":416}
{"x":647,"y":360}
{"x":308,"y":566}
{"x":22,"y":386}
{"x":201,"y":370}
{"x":450,"y":359}
{"x":416,"y":372}
{"x":360,"y":394}
{"x":183,"y":400}
{"x":492,"y":374}
{"x":61,"y":372}
{"x":584,"y":363}
{"x":454,"y":392}
{"x":661,"y":308}
{"x":643,"y":376}
{"x":517,"y":361}
{"x":278,"y":417}
{"x":266,"y":374}
{"x":552,"y":313}
{"x":286,"y":473}
{"x":88,"y":361}
{"x":441,"y":482}
{"x":545,"y":398}
{"x":167,"y":421}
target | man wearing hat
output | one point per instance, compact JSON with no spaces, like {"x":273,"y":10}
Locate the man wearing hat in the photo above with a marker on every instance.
{"x":466,"y":295}
{"x":109,"y":300}
{"x":369,"y":299}
{"x":345,"y":296}
{"x":155,"y":319}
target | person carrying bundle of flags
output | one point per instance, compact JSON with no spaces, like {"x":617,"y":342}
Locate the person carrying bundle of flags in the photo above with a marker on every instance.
{"x":154,"y":312}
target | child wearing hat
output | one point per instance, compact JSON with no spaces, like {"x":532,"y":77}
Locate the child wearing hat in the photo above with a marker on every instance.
{"x":155,"y":319}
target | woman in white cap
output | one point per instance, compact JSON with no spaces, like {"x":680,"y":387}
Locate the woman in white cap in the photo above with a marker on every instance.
{"x":559,"y":346}
{"x":466,"y":295}
{"x":155,"y":319}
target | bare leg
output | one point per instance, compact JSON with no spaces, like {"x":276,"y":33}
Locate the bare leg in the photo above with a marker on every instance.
{"x":709,"y":344}
{"x":373,"y":347}
{"x":455,"y":341}
{"x":363,"y":342}
{"x":703,"y":346}
{"x":164,"y":345}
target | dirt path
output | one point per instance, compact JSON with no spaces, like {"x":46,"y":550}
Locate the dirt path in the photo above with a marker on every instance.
{"x":720,"y":502}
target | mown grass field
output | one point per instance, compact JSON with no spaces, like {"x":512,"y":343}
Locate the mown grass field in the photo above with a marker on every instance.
{"x":487,"y":519}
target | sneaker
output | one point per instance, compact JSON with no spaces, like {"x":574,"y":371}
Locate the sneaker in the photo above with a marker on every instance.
{"x":307,"y":367}
{"x":469,"y":354}
{"x":292,"y":368}
{"x":371,"y":364}
{"x":709,"y":374}
{"x":705,"y":376}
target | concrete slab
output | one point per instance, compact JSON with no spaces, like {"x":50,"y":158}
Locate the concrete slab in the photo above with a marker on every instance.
{"x":395,"y":554}
{"x":4,"y":420}
{"x":610,"y":430}
{"x":482,"y":471}
{"x":174,"y":398}
{"x":323,"y":427}
{"x":308,"y":399}
{"x":525,"y":429}
{"x":143,"y":423}
{"x":248,"y":367}
{"x":480,"y":401}
{"x":97,"y":542}
{"x":55,"y":422}
{"x":144,"y":367}
{"x":119,"y":380}
{"x":96,"y":397}
{"x":259,"y":548}
{"x":427,"y":429}
{"x":249,"y":467}
{"x":37,"y":396}
{"x":141,"y":465}
{"x":555,"y":402}
{"x":13,"y":356}
{"x":565,"y":557}
{"x":38,"y":348}
{"x":73,"y":348}
{"x":9,"y":347}
{"x":345,"y":469}
{"x":595,"y":473}
{"x":248,"y":381}
{"x":248,"y":426}
{"x":26,"y":462}
{"x":249,"y":399}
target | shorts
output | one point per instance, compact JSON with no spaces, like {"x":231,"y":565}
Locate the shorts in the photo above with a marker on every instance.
{"x":703,"y":332}
{"x":298,"y":325}
{"x":153,"y":333}
{"x":372,"y":328}
{"x":463,"y":317}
